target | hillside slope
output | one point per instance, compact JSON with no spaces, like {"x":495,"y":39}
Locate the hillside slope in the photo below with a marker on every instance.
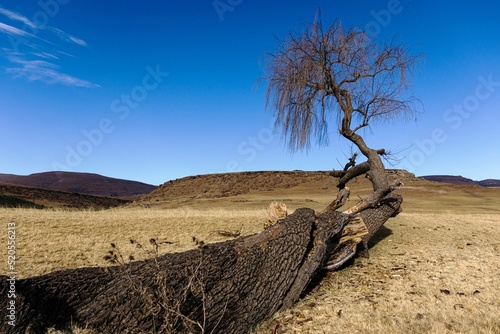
{"x":252,"y":188}
{"x":449,"y":179}
{"x":461,"y":180}
{"x":24,"y":196}
{"x":315,"y":190}
{"x":81,"y":183}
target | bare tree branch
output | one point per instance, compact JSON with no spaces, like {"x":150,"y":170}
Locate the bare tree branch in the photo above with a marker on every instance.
{"x":317,"y":74}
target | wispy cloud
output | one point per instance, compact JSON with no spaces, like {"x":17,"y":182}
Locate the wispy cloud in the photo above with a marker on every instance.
{"x":16,"y":17}
{"x":41,"y":70}
{"x":34,"y":64}
{"x":69,"y":38}
{"x":45,"y":55}
{"x":78,"y":41}
{"x":10,"y":30}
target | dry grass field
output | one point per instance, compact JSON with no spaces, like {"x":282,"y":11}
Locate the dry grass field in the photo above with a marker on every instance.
{"x":435,"y":268}
{"x":49,"y":240}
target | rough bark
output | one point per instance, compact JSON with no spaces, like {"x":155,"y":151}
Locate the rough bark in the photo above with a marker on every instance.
{"x":341,"y":199}
{"x":374,"y":218}
{"x":225,"y":287}
{"x":352,"y":162}
{"x":352,"y":173}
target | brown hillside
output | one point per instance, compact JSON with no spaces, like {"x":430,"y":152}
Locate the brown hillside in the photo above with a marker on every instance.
{"x":23,"y":196}
{"x":296,"y":189}
{"x":461,"y":180}
{"x":230,"y":184}
{"x":81,"y":183}
{"x":251,"y":187}
{"x":449,"y":179}
{"x":489,"y":183}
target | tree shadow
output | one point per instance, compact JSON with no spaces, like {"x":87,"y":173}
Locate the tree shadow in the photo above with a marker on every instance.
{"x":380,"y":235}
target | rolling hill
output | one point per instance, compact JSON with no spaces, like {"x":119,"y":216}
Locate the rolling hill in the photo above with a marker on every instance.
{"x":461,"y":180}
{"x":27,"y":197}
{"x":489,"y":183}
{"x":81,"y":183}
{"x":314,"y":189}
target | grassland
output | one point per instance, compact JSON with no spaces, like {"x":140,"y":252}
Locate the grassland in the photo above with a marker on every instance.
{"x":435,"y":268}
{"x":50,"y":240}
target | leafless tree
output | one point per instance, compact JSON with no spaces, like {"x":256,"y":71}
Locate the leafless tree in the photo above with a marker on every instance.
{"x":341,"y":75}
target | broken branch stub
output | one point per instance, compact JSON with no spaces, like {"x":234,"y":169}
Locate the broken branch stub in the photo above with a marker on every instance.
{"x":341,"y":199}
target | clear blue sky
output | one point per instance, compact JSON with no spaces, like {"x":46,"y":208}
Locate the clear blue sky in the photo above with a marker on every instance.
{"x":157,"y":90}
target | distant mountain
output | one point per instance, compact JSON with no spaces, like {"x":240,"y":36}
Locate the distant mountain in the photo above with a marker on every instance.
{"x":489,"y":183}
{"x":461,"y":180}
{"x":81,"y":183}
{"x":448,"y":179}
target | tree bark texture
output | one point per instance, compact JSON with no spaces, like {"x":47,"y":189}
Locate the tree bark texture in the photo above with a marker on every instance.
{"x":225,"y":287}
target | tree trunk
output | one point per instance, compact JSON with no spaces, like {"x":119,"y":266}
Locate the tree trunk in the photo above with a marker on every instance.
{"x":225,"y":287}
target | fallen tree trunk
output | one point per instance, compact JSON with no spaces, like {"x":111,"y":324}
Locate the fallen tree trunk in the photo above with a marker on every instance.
{"x":225,"y":287}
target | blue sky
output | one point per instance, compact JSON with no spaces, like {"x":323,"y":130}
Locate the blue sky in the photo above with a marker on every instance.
{"x":157,"y":90}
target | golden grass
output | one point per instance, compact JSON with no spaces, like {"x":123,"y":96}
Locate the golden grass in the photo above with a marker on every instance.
{"x":428,"y":272}
{"x":49,"y":240}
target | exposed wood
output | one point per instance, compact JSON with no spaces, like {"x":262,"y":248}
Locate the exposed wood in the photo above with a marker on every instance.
{"x":362,"y":227}
{"x":345,"y":248}
{"x":275,"y":212}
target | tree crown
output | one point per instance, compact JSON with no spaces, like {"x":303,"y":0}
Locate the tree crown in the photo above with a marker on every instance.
{"x":339,"y":73}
